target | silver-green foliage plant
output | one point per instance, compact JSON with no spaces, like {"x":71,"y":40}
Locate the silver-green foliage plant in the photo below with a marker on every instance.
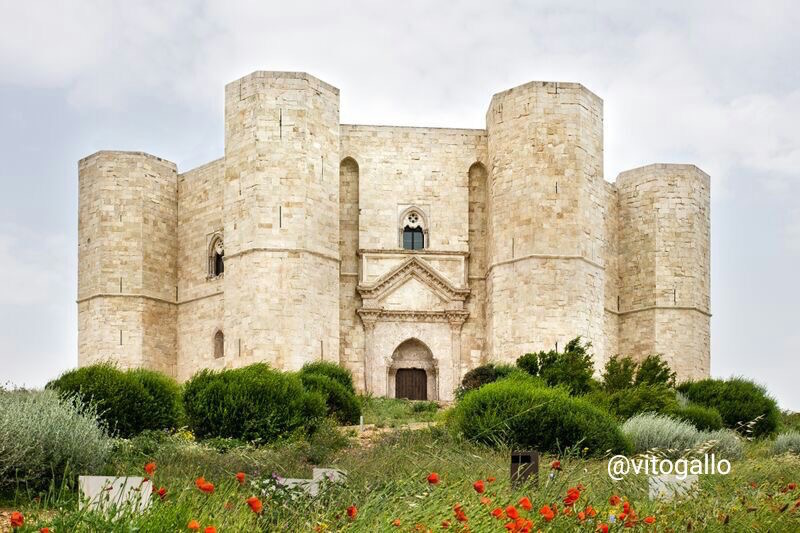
{"x":788,"y":442}
{"x":44,"y":436}
{"x":651,"y":431}
{"x":723,"y":443}
{"x":668,"y":436}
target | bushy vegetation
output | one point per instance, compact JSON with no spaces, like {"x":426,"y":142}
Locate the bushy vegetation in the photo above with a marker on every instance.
{"x":670,"y":436}
{"x":743,"y":405}
{"x":254,"y":403}
{"x":335,"y":372}
{"x":653,"y":370}
{"x":127,"y":401}
{"x":395,"y":412}
{"x":619,"y":373}
{"x":650,"y":431}
{"x":572,"y":368}
{"x":625,"y":403}
{"x":45,"y":436}
{"x":703,"y":418}
{"x":788,"y":442}
{"x":485,"y":374}
{"x":511,"y":412}
{"x":342,"y":405}
{"x":623,"y":372}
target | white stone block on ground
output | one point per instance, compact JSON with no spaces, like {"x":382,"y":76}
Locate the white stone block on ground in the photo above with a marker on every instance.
{"x":104,"y":492}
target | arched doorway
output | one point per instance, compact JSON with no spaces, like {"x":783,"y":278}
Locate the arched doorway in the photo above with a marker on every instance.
{"x":412,"y":373}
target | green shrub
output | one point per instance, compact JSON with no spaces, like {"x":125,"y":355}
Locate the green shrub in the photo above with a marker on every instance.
{"x":618,"y":373}
{"x":331,"y":370}
{"x":626,"y":403}
{"x":341,"y":404}
{"x":325,"y":443}
{"x":45,"y":436}
{"x":649,"y":431}
{"x":653,"y":370}
{"x":572,"y":368}
{"x":703,"y":418}
{"x":129,"y":402}
{"x":511,"y":412}
{"x":166,"y":407}
{"x":788,"y":442}
{"x":478,"y":377}
{"x":254,"y":403}
{"x":743,"y":405}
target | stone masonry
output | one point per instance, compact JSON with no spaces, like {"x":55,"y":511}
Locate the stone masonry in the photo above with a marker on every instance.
{"x":295,"y":245}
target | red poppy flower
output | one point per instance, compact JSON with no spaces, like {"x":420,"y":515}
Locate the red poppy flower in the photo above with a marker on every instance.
{"x":461,"y":516}
{"x":650,"y":520}
{"x":433,"y":478}
{"x":396,"y":522}
{"x":210,"y":529}
{"x":44,"y":530}
{"x":581,"y":516}
{"x":614,"y":500}
{"x":150,"y":468}
{"x":162,"y":493}
{"x":194,"y":525}
{"x":199,"y":481}
{"x":511,"y":526}
{"x":445,"y":524}
{"x":255,"y":504}
{"x":791,"y":486}
{"x":352,"y":511}
{"x":572,"y":496}
{"x":512,"y":512}
{"x":497,"y":513}
{"x":602,"y":528}
{"x":240,"y":478}
{"x":547,"y":513}
{"x":590,"y":512}
{"x":626,"y":506}
{"x":17,"y":519}
{"x":491,"y":479}
{"x":555,"y":465}
{"x":525,"y":503}
{"x":479,"y":486}
{"x":485,"y":500}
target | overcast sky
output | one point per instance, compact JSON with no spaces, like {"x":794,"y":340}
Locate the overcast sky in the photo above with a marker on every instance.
{"x":711,"y":83}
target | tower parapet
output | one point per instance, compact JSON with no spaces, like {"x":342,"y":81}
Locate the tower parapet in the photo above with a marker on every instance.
{"x":127,"y":260}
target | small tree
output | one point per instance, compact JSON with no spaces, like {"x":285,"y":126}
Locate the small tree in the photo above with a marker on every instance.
{"x":655,"y":371}
{"x":618,"y":373}
{"x":573,"y":367}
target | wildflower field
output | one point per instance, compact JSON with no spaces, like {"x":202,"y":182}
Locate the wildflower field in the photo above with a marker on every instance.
{"x":412,"y":481}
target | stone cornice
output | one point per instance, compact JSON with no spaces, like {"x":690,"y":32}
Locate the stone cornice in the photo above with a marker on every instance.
{"x":375,"y":315}
{"x":402,"y":251}
{"x":323,"y":255}
{"x":544,"y":256}
{"x":659,"y":308}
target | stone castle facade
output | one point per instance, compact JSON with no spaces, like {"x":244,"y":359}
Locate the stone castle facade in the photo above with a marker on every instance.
{"x":408,"y":255}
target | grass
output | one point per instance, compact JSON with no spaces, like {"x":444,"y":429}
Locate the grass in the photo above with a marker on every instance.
{"x":387,"y":483}
{"x":392,"y":412}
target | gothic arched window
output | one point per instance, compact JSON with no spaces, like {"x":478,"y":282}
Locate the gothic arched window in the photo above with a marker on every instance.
{"x":413,"y":238}
{"x":216,"y":257}
{"x":413,"y":229}
{"x":219,"y":345}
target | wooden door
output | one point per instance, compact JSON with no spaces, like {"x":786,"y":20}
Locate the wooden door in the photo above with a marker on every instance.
{"x":411,"y":383}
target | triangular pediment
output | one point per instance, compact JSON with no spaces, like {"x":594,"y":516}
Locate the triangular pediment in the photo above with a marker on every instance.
{"x":413,"y":277}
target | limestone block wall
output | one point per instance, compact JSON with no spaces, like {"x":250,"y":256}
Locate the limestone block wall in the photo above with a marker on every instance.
{"x":127,"y":260}
{"x":200,"y":297}
{"x":281,"y":217}
{"x":545,"y":275}
{"x":610,"y":260}
{"x":664,"y":262}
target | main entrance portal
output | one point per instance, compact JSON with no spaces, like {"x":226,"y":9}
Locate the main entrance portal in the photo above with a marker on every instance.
{"x":411,"y":383}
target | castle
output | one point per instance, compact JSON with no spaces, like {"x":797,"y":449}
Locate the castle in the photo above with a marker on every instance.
{"x":408,"y":255}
